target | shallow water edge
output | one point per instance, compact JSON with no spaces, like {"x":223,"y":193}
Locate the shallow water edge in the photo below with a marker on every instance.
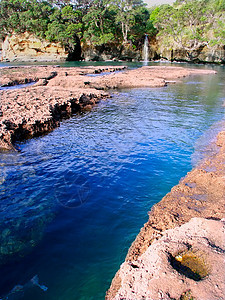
{"x":115,"y":160}
{"x":193,"y":197}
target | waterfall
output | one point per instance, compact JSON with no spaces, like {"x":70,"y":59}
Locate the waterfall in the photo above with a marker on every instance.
{"x":145,"y":51}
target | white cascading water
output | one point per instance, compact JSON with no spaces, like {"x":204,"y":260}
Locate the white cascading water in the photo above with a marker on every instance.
{"x":145,"y":51}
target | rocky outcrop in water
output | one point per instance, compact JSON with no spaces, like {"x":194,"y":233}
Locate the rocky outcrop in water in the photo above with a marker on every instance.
{"x":60,"y":92}
{"x":35,"y":110}
{"x":137,"y":78}
{"x":200,"y":194}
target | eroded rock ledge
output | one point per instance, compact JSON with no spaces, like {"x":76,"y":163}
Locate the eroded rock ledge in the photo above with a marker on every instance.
{"x":60,"y":92}
{"x":185,"y":261}
{"x":38,"y":109}
{"x":171,"y":233}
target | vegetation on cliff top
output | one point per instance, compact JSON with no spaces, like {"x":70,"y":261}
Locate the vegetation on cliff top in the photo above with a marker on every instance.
{"x":191,"y":24}
{"x":187,"y":24}
{"x":95,"y":22}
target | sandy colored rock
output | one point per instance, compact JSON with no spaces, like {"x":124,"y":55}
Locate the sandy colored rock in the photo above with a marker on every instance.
{"x":27,"y":47}
{"x":158,"y":273}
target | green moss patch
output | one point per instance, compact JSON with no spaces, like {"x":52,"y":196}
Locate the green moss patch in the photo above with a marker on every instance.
{"x":190,"y":263}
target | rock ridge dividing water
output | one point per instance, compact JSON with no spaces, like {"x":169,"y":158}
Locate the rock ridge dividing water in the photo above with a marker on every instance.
{"x":60,"y":92}
{"x":38,"y":109}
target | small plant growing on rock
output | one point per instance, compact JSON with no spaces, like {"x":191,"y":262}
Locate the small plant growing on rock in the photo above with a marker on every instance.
{"x":191,"y":263}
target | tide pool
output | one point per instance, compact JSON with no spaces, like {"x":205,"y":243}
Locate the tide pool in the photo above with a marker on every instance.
{"x":73,"y":201}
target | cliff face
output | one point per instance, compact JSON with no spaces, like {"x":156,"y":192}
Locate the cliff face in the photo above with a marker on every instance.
{"x":205,"y":55}
{"x":110,"y":52}
{"x":167,"y":49}
{"x":27,"y":47}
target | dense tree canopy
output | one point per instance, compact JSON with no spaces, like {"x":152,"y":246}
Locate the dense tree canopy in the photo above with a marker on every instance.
{"x":187,"y":24}
{"x":191,"y":24}
{"x":96,"y":21}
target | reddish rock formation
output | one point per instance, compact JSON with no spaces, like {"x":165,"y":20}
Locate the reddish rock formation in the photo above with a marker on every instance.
{"x":38,"y":109}
{"x":137,"y":78}
{"x":59,"y":92}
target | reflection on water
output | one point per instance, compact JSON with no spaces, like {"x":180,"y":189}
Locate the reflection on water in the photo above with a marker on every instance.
{"x":73,"y":201}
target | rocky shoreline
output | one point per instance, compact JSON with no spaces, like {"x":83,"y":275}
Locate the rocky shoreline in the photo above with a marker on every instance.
{"x":171,"y":235}
{"x":60,"y":92}
{"x":188,"y":221}
{"x":171,"y":241}
{"x":38,"y":109}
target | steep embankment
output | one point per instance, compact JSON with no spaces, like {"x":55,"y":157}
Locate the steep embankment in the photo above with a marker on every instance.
{"x":203,"y":55}
{"x":27,"y":47}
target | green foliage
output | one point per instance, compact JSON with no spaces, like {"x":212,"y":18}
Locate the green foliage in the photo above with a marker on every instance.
{"x":190,"y":24}
{"x":99,"y":23}
{"x":187,"y":24}
{"x":64,"y":26}
{"x":130,"y":17}
{"x":22,"y":15}
{"x":95,"y":22}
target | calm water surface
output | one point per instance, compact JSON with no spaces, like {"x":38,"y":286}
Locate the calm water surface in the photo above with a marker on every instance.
{"x":73,"y":201}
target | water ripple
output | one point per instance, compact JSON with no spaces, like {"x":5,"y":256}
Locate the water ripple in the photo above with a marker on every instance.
{"x":72,"y":201}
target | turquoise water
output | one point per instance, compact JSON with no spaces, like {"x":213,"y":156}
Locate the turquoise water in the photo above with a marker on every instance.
{"x":73,"y":201}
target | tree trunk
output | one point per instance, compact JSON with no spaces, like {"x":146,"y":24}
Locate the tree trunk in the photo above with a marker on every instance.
{"x":124,"y":32}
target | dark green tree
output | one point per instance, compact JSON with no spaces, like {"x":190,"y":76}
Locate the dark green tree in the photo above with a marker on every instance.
{"x":190,"y":24}
{"x":21,"y":15}
{"x":125,"y":15}
{"x":99,"y":23}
